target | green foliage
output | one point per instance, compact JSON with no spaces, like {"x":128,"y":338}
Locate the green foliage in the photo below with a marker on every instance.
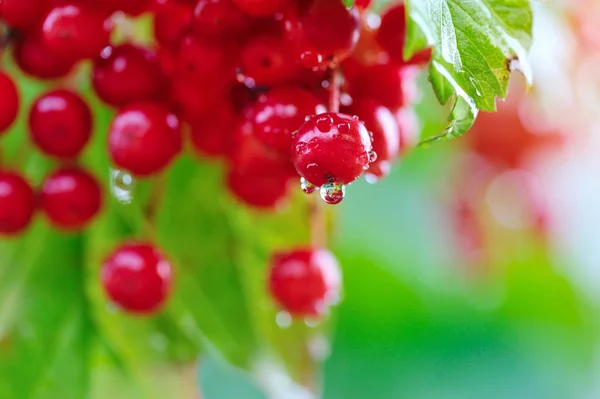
{"x":476,"y":44}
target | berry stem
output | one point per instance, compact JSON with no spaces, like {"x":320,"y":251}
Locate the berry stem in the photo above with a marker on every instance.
{"x":334,"y":90}
{"x":157,"y":191}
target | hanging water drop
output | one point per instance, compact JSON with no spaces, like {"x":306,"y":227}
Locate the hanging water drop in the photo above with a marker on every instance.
{"x":122,"y":185}
{"x":372,"y":156}
{"x":306,"y":186}
{"x":283,"y":319}
{"x":333,"y":193}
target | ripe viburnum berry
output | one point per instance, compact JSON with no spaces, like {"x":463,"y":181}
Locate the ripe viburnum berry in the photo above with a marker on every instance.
{"x":17,"y":203}
{"x":70,"y":198}
{"x":126,"y":74}
{"x":34,"y":58}
{"x":323,"y":32}
{"x":332,"y":148}
{"x":9,"y":102}
{"x":280,"y":112}
{"x":60,"y":123}
{"x":305,"y":282}
{"x":382,"y":125}
{"x":144,"y":138}
{"x":75,"y":31}
{"x":220,"y":18}
{"x":171,"y":19}
{"x":137,"y":277}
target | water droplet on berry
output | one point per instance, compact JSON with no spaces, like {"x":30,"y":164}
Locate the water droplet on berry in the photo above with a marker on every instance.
{"x":306,"y":186}
{"x":283,"y":319}
{"x":344,"y":127}
{"x":311,"y":322}
{"x":324,"y":123}
{"x":301,"y":148}
{"x":311,"y":60}
{"x":355,"y":117}
{"x":308,"y":117}
{"x":333,"y":193}
{"x":122,"y":185}
{"x":372,"y":156}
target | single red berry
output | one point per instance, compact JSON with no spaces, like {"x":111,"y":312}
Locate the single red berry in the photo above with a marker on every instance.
{"x":23,"y":14}
{"x":258,"y":188}
{"x":171,"y":19}
{"x":9,"y":102}
{"x":201,"y":61}
{"x":267,"y":60}
{"x":305,"y":282}
{"x":60,"y":123}
{"x":70,"y":198}
{"x":34,"y":58}
{"x":127,"y":73}
{"x":324,"y":32}
{"x":331,"y":148}
{"x":263,"y":8}
{"x":144,"y":138}
{"x":280,"y":112}
{"x":137,"y":277}
{"x":75,"y":31}
{"x":382,"y":125}
{"x":220,"y":18}
{"x":391,"y":36}
{"x":17,"y":203}
{"x":381,"y":82}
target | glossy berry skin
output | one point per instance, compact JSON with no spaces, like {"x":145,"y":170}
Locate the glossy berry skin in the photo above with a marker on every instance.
{"x":280,"y":112}
{"x":75,"y":31}
{"x":391,"y":36}
{"x":17,"y":203}
{"x":267,"y":60}
{"x":35,"y":59}
{"x":265,"y":190}
{"x":171,"y":18}
{"x":9,"y":102}
{"x":382,"y":125}
{"x":144,"y":138}
{"x":127,"y":73}
{"x":331,"y":148}
{"x":137,"y":277}
{"x":23,"y":14}
{"x":384,"y":83}
{"x":323,"y":32}
{"x":70,"y":197}
{"x":262,"y":8}
{"x":220,"y":18}
{"x":305,"y":282}
{"x":60,"y":123}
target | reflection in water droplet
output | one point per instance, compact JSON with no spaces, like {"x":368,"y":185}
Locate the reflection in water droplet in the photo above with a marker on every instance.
{"x":372,"y":156}
{"x":307,"y":187}
{"x":324,"y":123}
{"x":122,"y":185}
{"x":343,"y":127}
{"x":333,"y":193}
{"x":283,"y":319}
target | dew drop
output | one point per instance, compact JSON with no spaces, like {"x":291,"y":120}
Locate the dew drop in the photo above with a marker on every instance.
{"x":333,"y":193}
{"x":306,"y":186}
{"x":122,"y":185}
{"x":301,"y":148}
{"x":343,"y":127}
{"x":312,"y":322}
{"x":355,"y":117}
{"x":324,"y":123}
{"x":283,"y":319}
{"x":372,"y":156}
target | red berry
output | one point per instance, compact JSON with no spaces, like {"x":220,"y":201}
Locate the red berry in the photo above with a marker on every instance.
{"x":324,"y":32}
{"x":391,"y":36}
{"x":331,"y":148}
{"x":221,"y":18}
{"x":280,"y":112}
{"x":9,"y":102}
{"x":305,"y":282}
{"x":131,"y":7}
{"x":137,"y":277}
{"x":362,"y":3}
{"x":212,"y":133}
{"x":260,"y":189}
{"x":267,"y":60}
{"x":171,"y":19}
{"x":23,"y":14}
{"x":70,"y":198}
{"x":127,"y":73}
{"x":201,"y":61}
{"x":75,"y":32}
{"x":262,"y":8}
{"x":382,"y":125}
{"x":382,"y":82}
{"x":60,"y":123}
{"x":34,"y":58}
{"x":144,"y":138}
{"x":17,"y":203}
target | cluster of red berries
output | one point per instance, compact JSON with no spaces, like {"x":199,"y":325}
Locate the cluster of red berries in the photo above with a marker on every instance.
{"x":259,"y":83}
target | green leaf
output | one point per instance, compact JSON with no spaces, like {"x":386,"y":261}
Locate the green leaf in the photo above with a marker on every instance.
{"x":476,"y":44}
